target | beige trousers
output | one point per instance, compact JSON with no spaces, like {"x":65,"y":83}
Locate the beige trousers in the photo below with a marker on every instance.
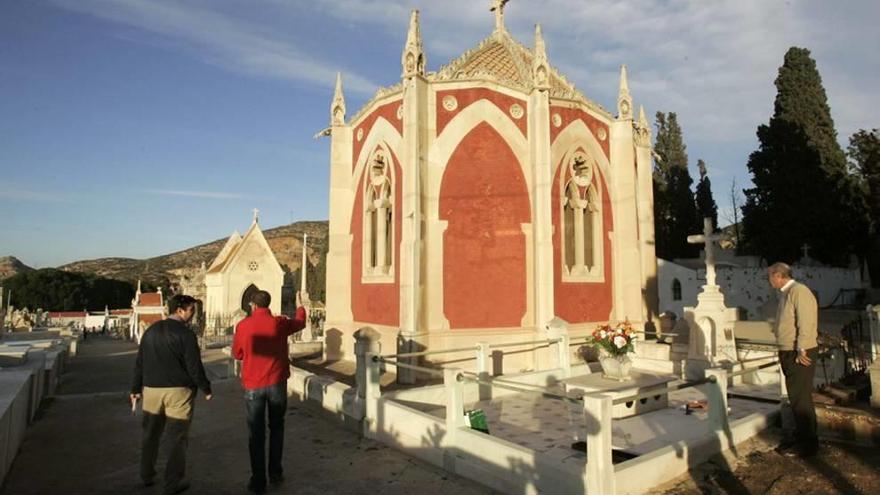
{"x":168,"y":410}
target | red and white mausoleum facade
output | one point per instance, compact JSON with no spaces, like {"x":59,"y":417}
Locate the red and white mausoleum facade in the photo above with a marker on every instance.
{"x":478,"y":202}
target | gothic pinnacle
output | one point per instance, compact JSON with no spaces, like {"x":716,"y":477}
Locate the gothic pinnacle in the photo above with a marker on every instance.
{"x":337,"y":107}
{"x":413,"y":58}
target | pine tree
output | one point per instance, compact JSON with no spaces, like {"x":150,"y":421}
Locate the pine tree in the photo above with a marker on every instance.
{"x":706,"y":206}
{"x":864,"y":151}
{"x":674,"y":212}
{"x":803,"y":192}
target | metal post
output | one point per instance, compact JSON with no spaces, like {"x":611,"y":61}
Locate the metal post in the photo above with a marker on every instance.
{"x":599,"y":470}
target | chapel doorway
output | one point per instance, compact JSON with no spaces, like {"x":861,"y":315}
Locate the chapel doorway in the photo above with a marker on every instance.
{"x":246,"y":298}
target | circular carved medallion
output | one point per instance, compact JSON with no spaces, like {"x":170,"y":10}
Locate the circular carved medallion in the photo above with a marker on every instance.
{"x":557,"y":120}
{"x":360,"y":134}
{"x":450,"y":103}
{"x":516,"y":111}
{"x":400,"y":112}
{"x":602,"y":134}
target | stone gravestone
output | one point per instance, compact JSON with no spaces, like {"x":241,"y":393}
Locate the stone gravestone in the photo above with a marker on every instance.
{"x":711,"y":339}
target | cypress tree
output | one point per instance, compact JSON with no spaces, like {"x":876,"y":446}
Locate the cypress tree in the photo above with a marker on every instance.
{"x":803,"y":192}
{"x":864,"y":151}
{"x":706,"y":206}
{"x":674,"y":212}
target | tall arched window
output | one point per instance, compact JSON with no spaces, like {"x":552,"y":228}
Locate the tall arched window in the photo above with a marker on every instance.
{"x":378,"y":217}
{"x":676,"y":290}
{"x":582,"y":220}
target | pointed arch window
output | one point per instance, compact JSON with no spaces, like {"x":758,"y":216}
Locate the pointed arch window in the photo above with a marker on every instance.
{"x":582,"y":246}
{"x":379,"y":200}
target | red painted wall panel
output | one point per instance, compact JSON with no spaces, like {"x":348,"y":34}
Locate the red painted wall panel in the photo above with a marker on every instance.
{"x":467,"y":96}
{"x":582,"y":301}
{"x":375,"y":303}
{"x":569,"y":115}
{"x":484,"y":198}
{"x":389,"y":113}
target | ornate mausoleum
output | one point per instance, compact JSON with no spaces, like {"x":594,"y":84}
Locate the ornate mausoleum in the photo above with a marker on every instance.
{"x":480,"y":201}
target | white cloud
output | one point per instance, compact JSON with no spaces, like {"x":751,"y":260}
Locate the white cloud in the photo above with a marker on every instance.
{"x":222,"y":39}
{"x":195,"y":194}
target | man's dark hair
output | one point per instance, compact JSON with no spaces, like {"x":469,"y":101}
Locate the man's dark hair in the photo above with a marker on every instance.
{"x":261,"y":299}
{"x":180,"y":301}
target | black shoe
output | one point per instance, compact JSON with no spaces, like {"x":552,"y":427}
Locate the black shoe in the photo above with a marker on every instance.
{"x":148,"y":483}
{"x":276,"y":479}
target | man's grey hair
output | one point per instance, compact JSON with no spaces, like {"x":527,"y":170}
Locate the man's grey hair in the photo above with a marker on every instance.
{"x":781,"y":268}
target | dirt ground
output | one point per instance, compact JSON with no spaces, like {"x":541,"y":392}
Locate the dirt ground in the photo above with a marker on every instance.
{"x":840,"y":468}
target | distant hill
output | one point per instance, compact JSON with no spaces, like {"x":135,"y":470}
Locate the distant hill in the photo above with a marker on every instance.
{"x":285,"y":241}
{"x":11,"y":266}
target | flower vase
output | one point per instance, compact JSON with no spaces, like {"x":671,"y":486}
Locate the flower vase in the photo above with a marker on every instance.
{"x":616,"y":367}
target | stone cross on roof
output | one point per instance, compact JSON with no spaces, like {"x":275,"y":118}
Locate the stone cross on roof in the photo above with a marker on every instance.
{"x":498,"y":8}
{"x":256,"y":215}
{"x":709,"y":239}
{"x":806,"y":249}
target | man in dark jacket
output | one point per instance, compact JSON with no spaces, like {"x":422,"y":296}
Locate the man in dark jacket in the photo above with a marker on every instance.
{"x":261,"y":343}
{"x":167,"y":373}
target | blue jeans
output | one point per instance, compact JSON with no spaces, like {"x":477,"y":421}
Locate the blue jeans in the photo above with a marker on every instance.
{"x":274,"y":399}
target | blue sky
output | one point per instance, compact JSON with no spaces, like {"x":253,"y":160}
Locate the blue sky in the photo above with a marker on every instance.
{"x":135,"y":128}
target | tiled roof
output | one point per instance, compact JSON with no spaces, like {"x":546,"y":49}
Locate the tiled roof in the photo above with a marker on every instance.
{"x":67,"y":314}
{"x":502,"y":59}
{"x":150,"y":299}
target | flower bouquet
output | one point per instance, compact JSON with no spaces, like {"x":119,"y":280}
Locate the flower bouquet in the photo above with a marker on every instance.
{"x":614,"y":342}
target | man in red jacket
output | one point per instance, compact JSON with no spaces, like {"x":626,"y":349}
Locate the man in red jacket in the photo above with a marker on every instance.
{"x":261,"y":344}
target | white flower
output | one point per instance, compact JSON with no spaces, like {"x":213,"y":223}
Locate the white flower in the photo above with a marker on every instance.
{"x":603,"y":334}
{"x":620,"y":342}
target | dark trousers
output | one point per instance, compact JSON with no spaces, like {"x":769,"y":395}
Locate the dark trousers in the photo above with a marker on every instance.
{"x":799,"y":382}
{"x":259,"y":401}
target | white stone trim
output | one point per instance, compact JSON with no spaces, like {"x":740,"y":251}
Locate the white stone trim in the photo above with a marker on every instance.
{"x":367,"y":275}
{"x":382,"y":135}
{"x":578,"y":135}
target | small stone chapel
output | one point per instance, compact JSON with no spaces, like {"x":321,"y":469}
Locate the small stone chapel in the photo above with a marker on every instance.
{"x":245,"y":265}
{"x":480,"y":201}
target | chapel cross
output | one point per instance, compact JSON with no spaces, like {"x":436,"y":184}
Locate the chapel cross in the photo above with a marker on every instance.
{"x":709,"y":239}
{"x":498,"y":8}
{"x":806,"y":249}
{"x":256,"y":215}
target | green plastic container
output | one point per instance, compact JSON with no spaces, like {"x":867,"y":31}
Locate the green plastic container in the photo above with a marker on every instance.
{"x":477,"y":420}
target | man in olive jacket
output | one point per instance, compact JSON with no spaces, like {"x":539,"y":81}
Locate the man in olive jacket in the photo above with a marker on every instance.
{"x":167,"y":373}
{"x":796,"y":331}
